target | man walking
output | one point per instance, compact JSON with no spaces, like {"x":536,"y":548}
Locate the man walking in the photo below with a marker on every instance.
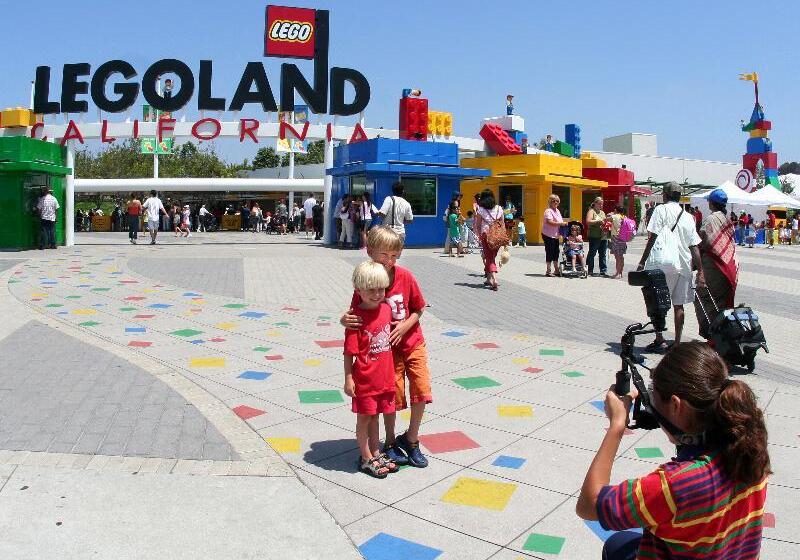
{"x":203,"y":216}
{"x":397,"y":211}
{"x":282,"y":213}
{"x":308,"y":206}
{"x":47,"y":206}
{"x":154,"y":208}
{"x":317,"y":213}
{"x":670,"y":219}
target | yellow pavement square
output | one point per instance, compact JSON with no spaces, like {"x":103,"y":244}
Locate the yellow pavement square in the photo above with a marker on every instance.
{"x":198,"y":301}
{"x":522,"y":337}
{"x":274,"y":334}
{"x":517,"y":411}
{"x":480,"y":493}
{"x":521,"y":361}
{"x":313,"y":362}
{"x":84,"y":311}
{"x":39,"y":295}
{"x":207,"y":362}
{"x":284,"y":444}
{"x":149,"y":291}
{"x":226,"y":326}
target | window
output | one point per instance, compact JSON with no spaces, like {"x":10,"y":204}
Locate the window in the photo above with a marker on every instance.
{"x":564,"y":194}
{"x":358,"y":184}
{"x":420,"y":192}
{"x":513,"y":194}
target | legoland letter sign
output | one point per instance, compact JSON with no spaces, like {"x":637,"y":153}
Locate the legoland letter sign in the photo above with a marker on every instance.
{"x":290,"y":32}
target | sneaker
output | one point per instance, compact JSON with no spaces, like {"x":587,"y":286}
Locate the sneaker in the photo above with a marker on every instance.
{"x":415,"y":456}
{"x":395,"y":455}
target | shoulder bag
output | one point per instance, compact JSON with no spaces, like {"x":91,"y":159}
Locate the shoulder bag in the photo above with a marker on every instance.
{"x":497,"y":235}
{"x":665,"y":254}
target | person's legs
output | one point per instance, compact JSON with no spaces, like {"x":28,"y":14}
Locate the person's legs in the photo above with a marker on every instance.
{"x":373,"y":436}
{"x":362,"y":435}
{"x":603,"y":250}
{"x":679,"y":317}
{"x":594,"y":244}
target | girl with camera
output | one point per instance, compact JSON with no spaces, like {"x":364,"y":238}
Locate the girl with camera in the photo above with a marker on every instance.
{"x":708,"y":501}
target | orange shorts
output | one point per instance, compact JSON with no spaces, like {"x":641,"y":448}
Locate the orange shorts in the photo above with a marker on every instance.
{"x":374,"y":404}
{"x":413,"y":366}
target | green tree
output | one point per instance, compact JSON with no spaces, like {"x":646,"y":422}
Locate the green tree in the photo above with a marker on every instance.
{"x":266,"y":157}
{"x":316,"y":154}
{"x":787,"y":186}
{"x":789,"y":167}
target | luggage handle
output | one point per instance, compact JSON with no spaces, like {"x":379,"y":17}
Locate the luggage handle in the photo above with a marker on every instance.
{"x":702,"y":306}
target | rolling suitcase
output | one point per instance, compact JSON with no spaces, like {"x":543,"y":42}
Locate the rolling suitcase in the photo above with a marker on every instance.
{"x":735,"y":333}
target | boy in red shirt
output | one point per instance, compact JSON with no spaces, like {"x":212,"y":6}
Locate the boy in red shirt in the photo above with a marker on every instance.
{"x":408,"y":345}
{"x":368,"y":366}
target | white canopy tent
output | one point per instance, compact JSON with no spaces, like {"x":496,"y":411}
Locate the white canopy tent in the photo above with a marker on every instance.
{"x":755,"y":203}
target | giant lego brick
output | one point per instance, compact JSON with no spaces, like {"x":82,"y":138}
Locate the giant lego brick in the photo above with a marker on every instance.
{"x":758,"y":133}
{"x":770,"y":160}
{"x":507,"y":122}
{"x":440,"y":123}
{"x":516,"y":135}
{"x":17,"y":117}
{"x":413,"y":118}
{"x":759,"y":145}
{"x":758,"y":125}
{"x":499,"y":141}
{"x":611,"y":175}
{"x":562,"y":148}
{"x":770,"y":172}
{"x":572,"y":134}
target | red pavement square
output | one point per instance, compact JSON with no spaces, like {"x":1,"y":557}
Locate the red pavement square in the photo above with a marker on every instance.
{"x":446,"y":442}
{"x":274,"y":357}
{"x":323,"y":324}
{"x":143,"y":316}
{"x":768,"y":520}
{"x":134,"y":298}
{"x":533,"y":370}
{"x":139,"y":343}
{"x":128,"y":281}
{"x":246,"y":412}
{"x":330,"y":343}
{"x":292,"y":309}
{"x":485,"y":345}
{"x":216,"y":339}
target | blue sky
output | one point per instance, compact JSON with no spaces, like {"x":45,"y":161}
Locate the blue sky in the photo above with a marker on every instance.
{"x":668,"y":68}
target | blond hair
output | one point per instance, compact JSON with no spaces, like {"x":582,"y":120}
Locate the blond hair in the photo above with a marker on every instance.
{"x":384,"y":237}
{"x":553,"y":197}
{"x":370,"y":275}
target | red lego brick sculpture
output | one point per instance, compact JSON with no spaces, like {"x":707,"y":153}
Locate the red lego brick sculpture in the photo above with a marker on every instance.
{"x":413,"y":118}
{"x":750,"y":161}
{"x":499,"y":141}
{"x":611,"y":175}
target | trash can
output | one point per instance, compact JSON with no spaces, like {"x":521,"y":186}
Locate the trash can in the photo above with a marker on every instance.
{"x":28,"y":167}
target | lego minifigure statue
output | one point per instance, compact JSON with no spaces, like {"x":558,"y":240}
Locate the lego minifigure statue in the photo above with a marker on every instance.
{"x":167,"y":88}
{"x":509,"y":104}
{"x":408,"y":92}
{"x":524,"y":144}
{"x":548,"y":143}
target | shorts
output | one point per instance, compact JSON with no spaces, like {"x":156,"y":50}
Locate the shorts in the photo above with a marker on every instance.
{"x":574,"y":253}
{"x":309,"y":223}
{"x":680,"y":288}
{"x":455,"y":239}
{"x":413,"y":366}
{"x":152,"y":225}
{"x":382,"y":403}
{"x":618,"y":248}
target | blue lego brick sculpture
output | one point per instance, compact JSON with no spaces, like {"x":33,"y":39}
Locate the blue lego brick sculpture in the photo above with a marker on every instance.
{"x":759,"y":145}
{"x":572,"y":135}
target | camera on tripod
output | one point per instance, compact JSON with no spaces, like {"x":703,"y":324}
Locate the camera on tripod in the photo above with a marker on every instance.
{"x":658,"y":303}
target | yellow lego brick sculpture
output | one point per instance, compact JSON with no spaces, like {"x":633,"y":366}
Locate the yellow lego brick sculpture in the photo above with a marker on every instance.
{"x":758,"y":133}
{"x":440,"y":123}
{"x":17,"y":117}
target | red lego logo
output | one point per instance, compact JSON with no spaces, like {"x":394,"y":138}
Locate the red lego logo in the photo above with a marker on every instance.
{"x":290,"y":32}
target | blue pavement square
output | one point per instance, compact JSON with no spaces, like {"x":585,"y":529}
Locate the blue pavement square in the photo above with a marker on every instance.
{"x":197,"y":341}
{"x":63,"y":313}
{"x":601,"y":533}
{"x":50,"y":282}
{"x":98,"y":305}
{"x":191,"y":294}
{"x":252,"y":314}
{"x":255,"y":375}
{"x":388,"y":547}
{"x":509,"y":462}
{"x":599,"y":405}
{"x":84,"y":285}
{"x":159,"y":305}
{"x":119,"y":272}
{"x":454,"y":334}
{"x":135,"y":329}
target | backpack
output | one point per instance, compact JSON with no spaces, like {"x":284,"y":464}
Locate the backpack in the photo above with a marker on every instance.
{"x":497,"y":235}
{"x":627,"y":229}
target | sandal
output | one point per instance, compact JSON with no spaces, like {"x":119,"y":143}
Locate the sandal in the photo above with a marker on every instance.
{"x":658,"y":347}
{"x":550,"y":275}
{"x":387,"y":462}
{"x":373,"y":467}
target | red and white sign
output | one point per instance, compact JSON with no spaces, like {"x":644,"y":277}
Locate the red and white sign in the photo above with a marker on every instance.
{"x":290,"y":32}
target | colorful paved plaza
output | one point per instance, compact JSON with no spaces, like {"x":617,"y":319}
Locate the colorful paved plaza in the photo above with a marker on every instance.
{"x":161,"y":371}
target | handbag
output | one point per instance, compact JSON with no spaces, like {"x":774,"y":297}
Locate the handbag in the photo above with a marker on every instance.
{"x":665,"y":254}
{"x":497,"y":235}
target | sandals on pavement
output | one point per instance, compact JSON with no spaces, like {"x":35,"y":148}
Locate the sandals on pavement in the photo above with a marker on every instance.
{"x":658,"y":347}
{"x":387,"y":462}
{"x":373,"y":467}
{"x":415,"y":456}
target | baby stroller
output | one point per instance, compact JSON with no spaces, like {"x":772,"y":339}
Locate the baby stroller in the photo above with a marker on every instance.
{"x":566,"y":261}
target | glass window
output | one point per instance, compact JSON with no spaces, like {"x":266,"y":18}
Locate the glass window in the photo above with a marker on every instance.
{"x":512,"y":194}
{"x":420,"y":192}
{"x":564,"y":194}
{"x":358,"y":184}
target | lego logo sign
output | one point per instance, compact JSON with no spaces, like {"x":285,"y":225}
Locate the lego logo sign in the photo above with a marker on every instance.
{"x":290,"y":32}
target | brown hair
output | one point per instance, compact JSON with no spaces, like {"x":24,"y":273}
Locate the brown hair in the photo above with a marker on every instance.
{"x":384,"y":237}
{"x":726,"y":408}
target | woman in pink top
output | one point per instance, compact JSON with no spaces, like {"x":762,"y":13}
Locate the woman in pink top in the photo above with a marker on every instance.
{"x":488,"y":213}
{"x":551,"y":221}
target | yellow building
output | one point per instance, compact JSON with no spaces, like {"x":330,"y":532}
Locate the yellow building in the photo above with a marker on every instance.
{"x":528,"y":180}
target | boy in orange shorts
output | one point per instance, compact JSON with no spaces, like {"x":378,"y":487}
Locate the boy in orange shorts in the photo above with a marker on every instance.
{"x":408,"y":346}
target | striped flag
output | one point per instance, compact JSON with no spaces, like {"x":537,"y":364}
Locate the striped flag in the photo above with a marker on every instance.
{"x":752,"y":77}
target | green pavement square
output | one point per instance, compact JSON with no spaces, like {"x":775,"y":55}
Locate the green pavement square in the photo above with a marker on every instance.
{"x":186,"y":332}
{"x":73,"y":297}
{"x":648,"y":452}
{"x":551,"y":352}
{"x":324,"y":318}
{"x":261,"y":349}
{"x":89,"y":323}
{"x":547,"y":544}
{"x":572,"y":374}
{"x":12,"y":281}
{"x":282,"y":324}
{"x":127,"y":308}
{"x":477,"y":382}
{"x":235,"y":305}
{"x":100,"y":289}
{"x":320,"y":397}
{"x":54,"y":305}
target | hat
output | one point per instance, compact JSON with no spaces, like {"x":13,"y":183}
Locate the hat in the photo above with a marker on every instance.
{"x":672,"y":186}
{"x":718,"y":196}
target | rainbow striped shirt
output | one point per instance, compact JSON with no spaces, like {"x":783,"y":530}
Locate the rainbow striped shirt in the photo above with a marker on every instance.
{"x":688,"y":509}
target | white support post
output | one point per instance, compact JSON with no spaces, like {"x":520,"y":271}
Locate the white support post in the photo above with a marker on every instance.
{"x":291,"y":149}
{"x":33,"y":86}
{"x":328,"y":187}
{"x":69,"y":198}
{"x":290,"y":205}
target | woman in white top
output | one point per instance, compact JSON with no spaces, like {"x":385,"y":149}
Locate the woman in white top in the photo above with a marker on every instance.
{"x":488,"y":213}
{"x":367,"y":210}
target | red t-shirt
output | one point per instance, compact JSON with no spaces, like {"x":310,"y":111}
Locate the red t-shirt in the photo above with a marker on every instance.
{"x":772,"y":221}
{"x":373,"y":369}
{"x":404,"y":297}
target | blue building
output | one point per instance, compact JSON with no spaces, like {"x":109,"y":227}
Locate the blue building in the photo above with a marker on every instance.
{"x":429,"y":172}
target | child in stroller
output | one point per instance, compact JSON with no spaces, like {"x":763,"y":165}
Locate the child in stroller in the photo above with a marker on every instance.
{"x":573,"y":263}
